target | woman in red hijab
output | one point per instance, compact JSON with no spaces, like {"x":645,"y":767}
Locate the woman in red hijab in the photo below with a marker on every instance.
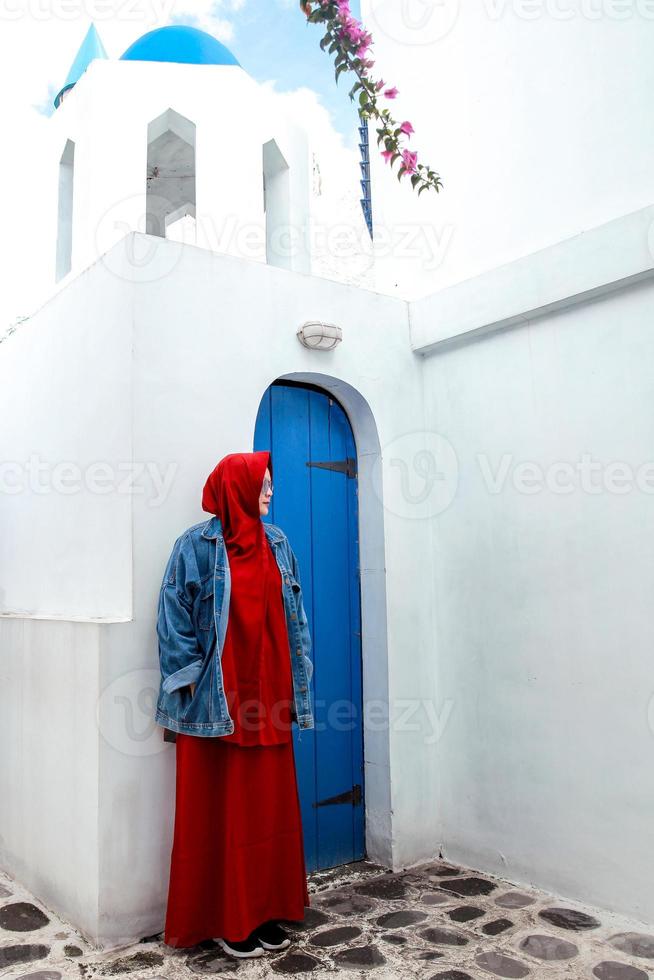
{"x":237,"y":863}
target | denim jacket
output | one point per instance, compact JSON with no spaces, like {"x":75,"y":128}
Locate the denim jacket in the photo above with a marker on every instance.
{"x":192,"y":622}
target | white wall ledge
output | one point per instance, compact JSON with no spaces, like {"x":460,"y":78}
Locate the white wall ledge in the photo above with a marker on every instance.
{"x":62,"y":618}
{"x":593,"y":263}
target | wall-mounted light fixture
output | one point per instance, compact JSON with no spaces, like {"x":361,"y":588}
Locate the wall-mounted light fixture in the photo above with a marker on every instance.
{"x":317,"y":335}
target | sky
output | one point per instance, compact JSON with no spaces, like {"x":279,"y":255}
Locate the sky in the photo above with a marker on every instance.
{"x":38,"y":42}
{"x":271,"y":39}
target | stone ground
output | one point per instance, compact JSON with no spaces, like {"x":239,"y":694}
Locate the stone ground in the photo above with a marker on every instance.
{"x":432,"y":921}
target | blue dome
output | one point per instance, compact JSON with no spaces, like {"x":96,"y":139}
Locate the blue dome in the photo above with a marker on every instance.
{"x":182,"y":44}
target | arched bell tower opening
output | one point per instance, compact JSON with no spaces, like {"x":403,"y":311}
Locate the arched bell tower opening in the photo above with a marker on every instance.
{"x":65,"y":212}
{"x":171,"y":187}
{"x":277,"y":206}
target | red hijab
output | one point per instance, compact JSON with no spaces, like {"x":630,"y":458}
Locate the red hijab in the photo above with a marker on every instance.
{"x":232,"y":493}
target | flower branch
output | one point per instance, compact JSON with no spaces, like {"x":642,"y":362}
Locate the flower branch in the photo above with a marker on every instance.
{"x":346,"y":39}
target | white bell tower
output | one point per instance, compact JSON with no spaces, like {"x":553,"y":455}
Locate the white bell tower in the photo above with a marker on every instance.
{"x":175,"y":139}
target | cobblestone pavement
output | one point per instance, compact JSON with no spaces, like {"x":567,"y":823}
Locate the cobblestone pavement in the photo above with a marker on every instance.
{"x":432,"y":921}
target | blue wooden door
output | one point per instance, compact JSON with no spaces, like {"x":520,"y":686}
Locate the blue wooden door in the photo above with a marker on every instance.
{"x":315,"y":503}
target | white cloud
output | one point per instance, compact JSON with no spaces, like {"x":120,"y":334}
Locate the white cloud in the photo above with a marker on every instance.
{"x":206,"y":14}
{"x":338,"y":206}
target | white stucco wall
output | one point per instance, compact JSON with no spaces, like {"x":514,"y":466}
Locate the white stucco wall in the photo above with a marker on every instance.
{"x":66,"y":569}
{"x":542,"y":569}
{"x":534,"y":112}
{"x":50,"y":766}
{"x":65,"y":400}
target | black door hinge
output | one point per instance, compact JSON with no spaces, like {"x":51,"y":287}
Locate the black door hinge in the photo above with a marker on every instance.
{"x":347,"y":466}
{"x":352,"y":796}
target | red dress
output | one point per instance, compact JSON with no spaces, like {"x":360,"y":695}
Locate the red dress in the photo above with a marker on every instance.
{"x":238,"y":851}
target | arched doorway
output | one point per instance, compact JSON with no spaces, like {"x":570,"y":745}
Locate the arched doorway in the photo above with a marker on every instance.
{"x":315,"y":502}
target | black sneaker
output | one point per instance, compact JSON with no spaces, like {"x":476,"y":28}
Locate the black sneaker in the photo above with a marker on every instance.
{"x":243,"y":948}
{"x":272,"y":936}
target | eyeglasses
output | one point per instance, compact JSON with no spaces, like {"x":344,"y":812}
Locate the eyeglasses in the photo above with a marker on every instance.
{"x":266,"y":485}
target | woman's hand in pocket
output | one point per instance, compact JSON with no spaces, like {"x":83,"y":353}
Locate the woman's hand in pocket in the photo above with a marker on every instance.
{"x":192,"y":686}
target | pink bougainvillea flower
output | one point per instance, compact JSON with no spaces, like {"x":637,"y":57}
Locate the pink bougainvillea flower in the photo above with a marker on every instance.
{"x":409,"y":161}
{"x":353,"y":44}
{"x":365,"y":42}
{"x":354,"y":32}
